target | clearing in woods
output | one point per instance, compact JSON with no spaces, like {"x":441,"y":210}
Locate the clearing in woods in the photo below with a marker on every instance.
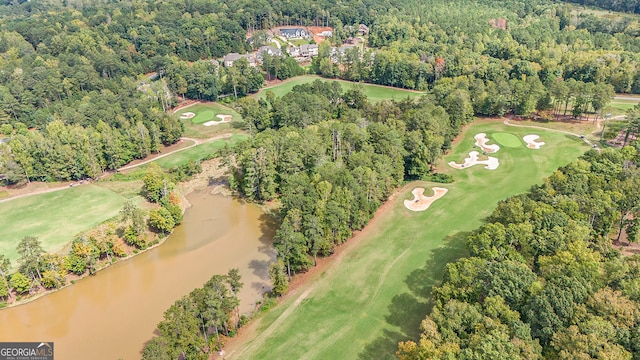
{"x":379,"y":292}
{"x":205,"y":112}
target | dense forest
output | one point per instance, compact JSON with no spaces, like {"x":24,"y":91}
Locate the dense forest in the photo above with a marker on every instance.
{"x":542,"y":279}
{"x":70,"y":71}
{"x":331,"y":159}
{"x":630,"y":6}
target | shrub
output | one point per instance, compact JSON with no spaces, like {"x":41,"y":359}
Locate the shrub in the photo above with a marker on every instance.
{"x":76,"y":264}
{"x":441,"y":178}
{"x":20,"y":283}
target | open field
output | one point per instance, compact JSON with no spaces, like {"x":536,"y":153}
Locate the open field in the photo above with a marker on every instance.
{"x":378,"y":291}
{"x":198,"y":152}
{"x":55,"y":217}
{"x":375,"y":93}
{"x":207,"y":112}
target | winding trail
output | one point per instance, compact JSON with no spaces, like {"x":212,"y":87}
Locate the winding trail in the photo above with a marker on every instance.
{"x":196,"y":142}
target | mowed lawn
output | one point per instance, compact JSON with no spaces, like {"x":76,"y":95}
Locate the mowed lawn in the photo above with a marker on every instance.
{"x":55,"y":217}
{"x":198,"y":152}
{"x":375,"y":93}
{"x":379,"y":292}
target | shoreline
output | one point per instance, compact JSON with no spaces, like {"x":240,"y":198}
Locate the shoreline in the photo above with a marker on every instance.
{"x":185,"y":189}
{"x":303,"y":283}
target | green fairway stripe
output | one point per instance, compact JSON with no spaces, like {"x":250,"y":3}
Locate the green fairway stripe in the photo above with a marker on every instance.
{"x":371,"y":299}
{"x":55,"y":217}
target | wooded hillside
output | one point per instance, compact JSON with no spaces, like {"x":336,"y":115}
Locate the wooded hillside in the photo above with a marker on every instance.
{"x":542,"y":279}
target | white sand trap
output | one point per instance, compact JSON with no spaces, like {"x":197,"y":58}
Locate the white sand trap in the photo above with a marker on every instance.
{"x":531,"y":141}
{"x":421,"y":202}
{"x":187,"y":115}
{"x":491,"y":163}
{"x":225,"y":119}
{"x":482,"y":140}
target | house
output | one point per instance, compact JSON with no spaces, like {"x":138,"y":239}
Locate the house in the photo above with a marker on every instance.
{"x":293,"y":33}
{"x":271,"y":50}
{"x":293,"y":51}
{"x":338,"y":54}
{"x":251,"y":59}
{"x":308,"y":50}
{"x":230,"y":58}
{"x":327,"y":33}
{"x":363,"y":30}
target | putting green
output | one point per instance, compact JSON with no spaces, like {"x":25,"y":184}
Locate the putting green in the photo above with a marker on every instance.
{"x":506,"y":139}
{"x":203,"y":116}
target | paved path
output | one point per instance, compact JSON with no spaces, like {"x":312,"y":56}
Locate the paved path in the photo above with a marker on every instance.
{"x":196,"y":142}
{"x":627,"y":97}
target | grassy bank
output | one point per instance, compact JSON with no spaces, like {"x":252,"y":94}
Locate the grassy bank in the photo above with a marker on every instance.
{"x":379,"y":292}
{"x":56,"y":217}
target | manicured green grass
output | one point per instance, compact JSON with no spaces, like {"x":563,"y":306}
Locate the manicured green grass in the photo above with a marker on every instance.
{"x":623,"y":105}
{"x":379,"y":292}
{"x":507,"y":139}
{"x":375,"y":93}
{"x":55,"y":217}
{"x":207,"y":112}
{"x":199,"y":152}
{"x":298,"y":42}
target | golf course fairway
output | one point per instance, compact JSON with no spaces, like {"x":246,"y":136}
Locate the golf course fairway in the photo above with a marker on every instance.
{"x":377,"y":291}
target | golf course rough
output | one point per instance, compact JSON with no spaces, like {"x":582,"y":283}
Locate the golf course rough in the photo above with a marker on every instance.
{"x":377,"y":291}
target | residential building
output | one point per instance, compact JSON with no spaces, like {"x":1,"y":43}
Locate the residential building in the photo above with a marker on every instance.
{"x":363,"y":30}
{"x":293,"y":33}
{"x":308,"y":50}
{"x":230,"y":58}
{"x":271,"y":50}
{"x":293,"y":51}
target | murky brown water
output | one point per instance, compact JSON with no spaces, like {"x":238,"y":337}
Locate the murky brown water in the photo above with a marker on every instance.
{"x":111,"y":315}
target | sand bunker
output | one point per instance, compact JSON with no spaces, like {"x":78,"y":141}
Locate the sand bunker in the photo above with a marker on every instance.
{"x":187,"y":115}
{"x":421,"y":202}
{"x":482,"y":140}
{"x":531,"y":141}
{"x":491,"y":163}
{"x":225,"y":119}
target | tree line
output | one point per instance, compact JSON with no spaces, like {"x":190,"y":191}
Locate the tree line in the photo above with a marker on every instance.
{"x":542,"y":279}
{"x":79,"y":63}
{"x":197,"y":324}
{"x":133,"y":230}
{"x":331,"y":159}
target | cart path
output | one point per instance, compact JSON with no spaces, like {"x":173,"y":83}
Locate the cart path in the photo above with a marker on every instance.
{"x":196,"y":142}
